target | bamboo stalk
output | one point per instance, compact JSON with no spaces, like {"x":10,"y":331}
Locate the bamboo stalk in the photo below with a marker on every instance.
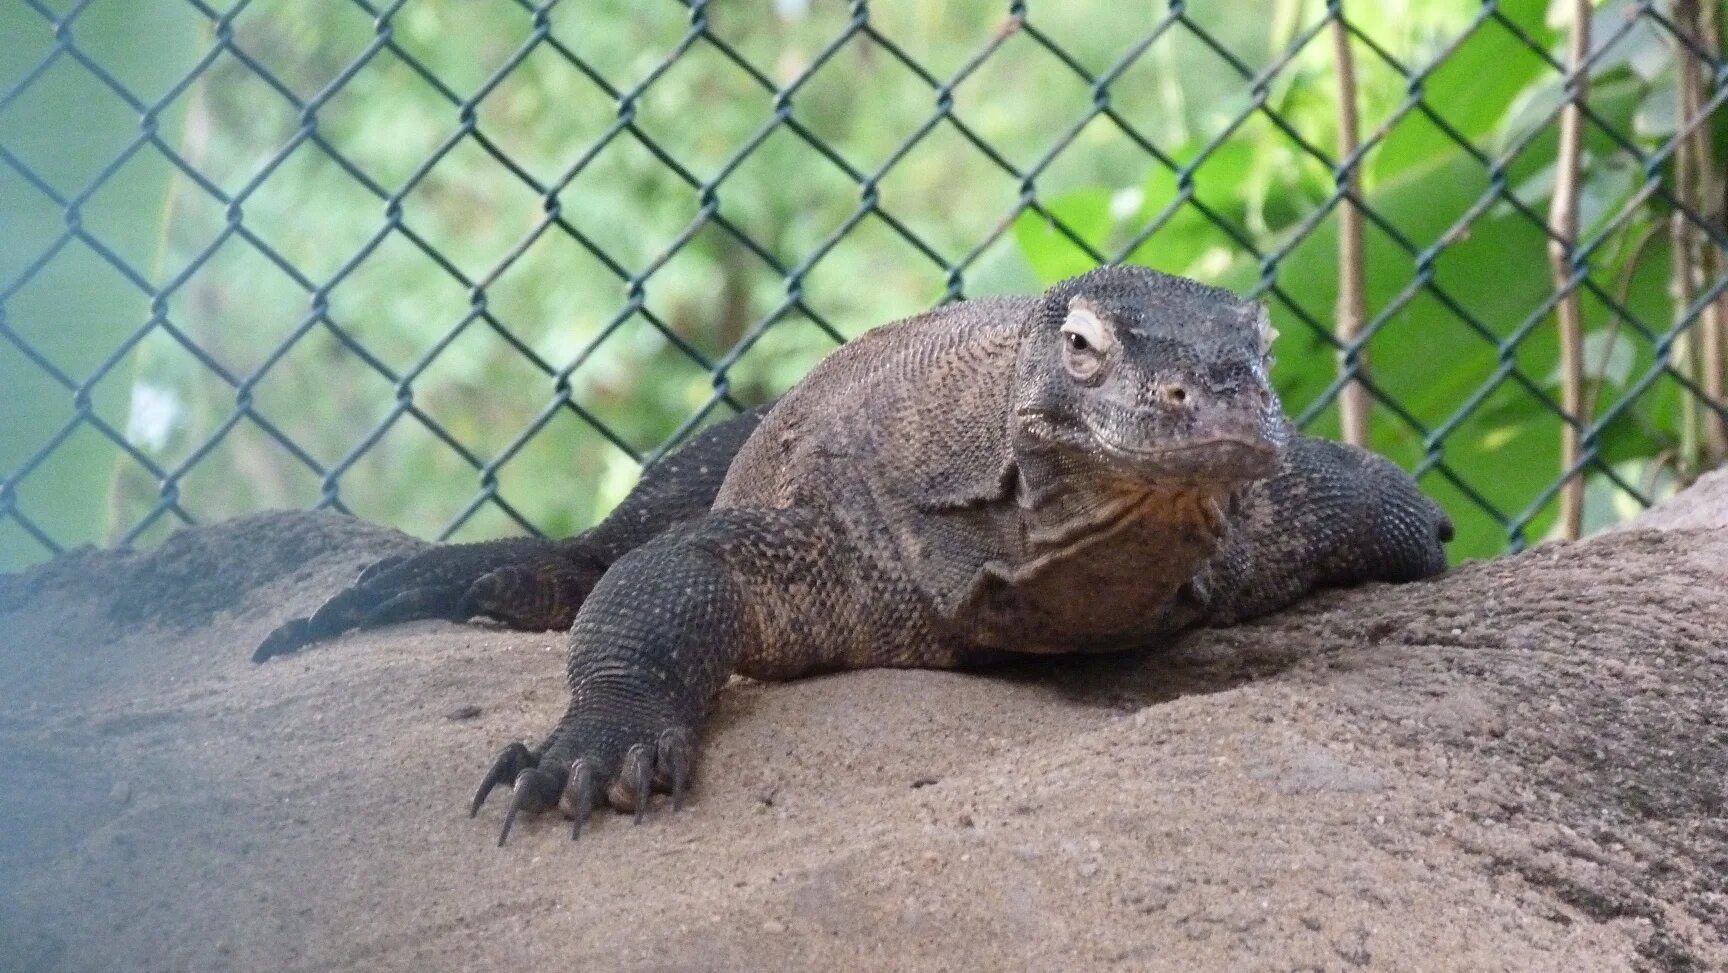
{"x":1684,"y":351}
{"x":1689,"y":349}
{"x":1352,"y":309}
{"x":1704,"y":26}
{"x":1563,"y":225}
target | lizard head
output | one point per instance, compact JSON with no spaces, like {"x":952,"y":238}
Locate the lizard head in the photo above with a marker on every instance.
{"x":1157,"y":377}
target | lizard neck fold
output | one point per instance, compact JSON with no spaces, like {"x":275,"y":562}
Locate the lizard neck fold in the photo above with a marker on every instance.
{"x":1067,"y":504}
{"x":1089,"y":559}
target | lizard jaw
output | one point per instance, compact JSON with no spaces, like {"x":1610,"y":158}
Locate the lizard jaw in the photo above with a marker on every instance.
{"x":1219,"y":459}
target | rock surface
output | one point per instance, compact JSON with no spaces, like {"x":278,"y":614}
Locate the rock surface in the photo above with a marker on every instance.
{"x":1521,"y":765}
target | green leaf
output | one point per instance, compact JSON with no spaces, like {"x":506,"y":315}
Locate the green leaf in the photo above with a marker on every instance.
{"x":1471,"y":89}
{"x":1189,"y":239}
{"x":77,"y":308}
{"x":1424,"y":352}
{"x":1053,"y":253}
{"x":1607,"y":355}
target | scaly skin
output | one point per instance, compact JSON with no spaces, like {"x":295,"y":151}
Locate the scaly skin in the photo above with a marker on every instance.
{"x":1092,"y":469}
{"x":529,"y":583}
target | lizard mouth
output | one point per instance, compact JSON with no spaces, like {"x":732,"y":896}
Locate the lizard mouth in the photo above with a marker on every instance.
{"x":1213,"y":459}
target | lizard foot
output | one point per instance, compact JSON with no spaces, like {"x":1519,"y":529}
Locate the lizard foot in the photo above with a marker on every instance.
{"x":525,"y":582}
{"x":625,"y":770}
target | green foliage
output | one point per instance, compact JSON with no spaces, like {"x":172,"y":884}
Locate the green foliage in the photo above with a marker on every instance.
{"x":77,"y":309}
{"x":446,"y":299}
{"x":1459,"y":289}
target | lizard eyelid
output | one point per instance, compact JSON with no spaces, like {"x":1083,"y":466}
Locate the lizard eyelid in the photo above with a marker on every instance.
{"x":1084,"y":325}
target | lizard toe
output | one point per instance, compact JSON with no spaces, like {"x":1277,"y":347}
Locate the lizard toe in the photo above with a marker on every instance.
{"x":676,"y":751}
{"x":536,"y":789}
{"x":424,"y":602}
{"x":580,"y":793}
{"x":532,"y":596}
{"x":575,"y":771}
{"x":634,"y":784}
{"x":283,"y":639}
{"x":506,"y":767}
{"x":371,"y":571}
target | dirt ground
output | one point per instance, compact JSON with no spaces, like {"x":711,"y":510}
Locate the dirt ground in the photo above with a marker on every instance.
{"x":1522,"y":765}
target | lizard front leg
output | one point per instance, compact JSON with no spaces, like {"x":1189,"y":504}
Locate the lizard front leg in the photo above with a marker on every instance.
{"x":774,"y":594}
{"x":656,"y":640}
{"x":1333,"y":515}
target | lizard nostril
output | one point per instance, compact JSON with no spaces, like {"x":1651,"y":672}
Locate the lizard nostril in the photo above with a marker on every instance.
{"x":1176,"y":394}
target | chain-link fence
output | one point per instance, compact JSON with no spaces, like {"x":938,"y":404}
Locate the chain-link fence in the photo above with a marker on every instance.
{"x":461,"y":265}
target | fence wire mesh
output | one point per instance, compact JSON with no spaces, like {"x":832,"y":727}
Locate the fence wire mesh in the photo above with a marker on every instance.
{"x":461,"y":267}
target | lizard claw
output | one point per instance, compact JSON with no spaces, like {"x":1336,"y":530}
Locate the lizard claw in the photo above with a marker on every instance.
{"x":542,"y":779}
{"x":672,"y":768}
{"x":284,"y":638}
{"x":579,"y":794}
{"x":506,"y":767}
{"x":536,"y":790}
{"x":378,"y":567}
{"x":415,"y":603}
{"x":639,"y":772}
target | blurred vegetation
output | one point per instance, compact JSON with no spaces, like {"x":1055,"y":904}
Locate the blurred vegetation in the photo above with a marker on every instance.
{"x":476,"y":309}
{"x":77,"y":310}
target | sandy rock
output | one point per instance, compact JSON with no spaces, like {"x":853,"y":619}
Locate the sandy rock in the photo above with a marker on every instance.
{"x":1517,"y":766}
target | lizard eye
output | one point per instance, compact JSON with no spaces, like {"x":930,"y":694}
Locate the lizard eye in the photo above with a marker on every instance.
{"x":1085,"y":340}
